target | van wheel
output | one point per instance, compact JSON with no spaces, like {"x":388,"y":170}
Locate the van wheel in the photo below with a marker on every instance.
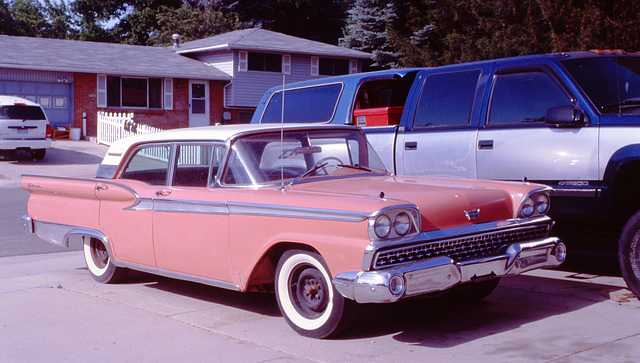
{"x":629,"y":253}
{"x":306,"y":297}
{"x":38,"y":154}
{"x":99,"y":263}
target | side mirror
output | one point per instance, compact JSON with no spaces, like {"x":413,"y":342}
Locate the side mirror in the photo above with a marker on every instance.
{"x":564,"y":116}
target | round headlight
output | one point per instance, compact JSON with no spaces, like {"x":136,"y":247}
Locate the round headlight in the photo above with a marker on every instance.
{"x":528,"y":207}
{"x":402,"y":224}
{"x":382,"y":226}
{"x":542,"y":203}
{"x":396,"y":285}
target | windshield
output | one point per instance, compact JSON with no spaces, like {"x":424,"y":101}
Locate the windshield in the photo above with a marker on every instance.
{"x":612,"y":83}
{"x":275,"y":158}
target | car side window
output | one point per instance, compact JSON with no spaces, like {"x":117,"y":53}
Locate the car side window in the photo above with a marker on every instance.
{"x":149,"y":164}
{"x":194,"y":163}
{"x":523,"y":98}
{"x":446,"y":100}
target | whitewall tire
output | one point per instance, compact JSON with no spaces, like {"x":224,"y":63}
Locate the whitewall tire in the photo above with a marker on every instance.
{"x":306,"y":297}
{"x":98,"y":260}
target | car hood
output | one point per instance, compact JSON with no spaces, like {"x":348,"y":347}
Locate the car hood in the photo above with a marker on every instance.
{"x":443,"y":203}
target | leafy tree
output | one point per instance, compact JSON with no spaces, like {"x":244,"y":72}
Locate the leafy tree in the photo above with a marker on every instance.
{"x":7,"y":24}
{"x":28,"y":18}
{"x":194,"y":22}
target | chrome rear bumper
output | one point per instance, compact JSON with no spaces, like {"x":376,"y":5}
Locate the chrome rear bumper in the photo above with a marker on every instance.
{"x":442,"y":273}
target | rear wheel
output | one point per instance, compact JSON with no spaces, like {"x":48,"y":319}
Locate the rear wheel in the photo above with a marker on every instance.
{"x":306,"y":297}
{"x":629,"y":253}
{"x":99,"y":263}
{"x":38,"y":154}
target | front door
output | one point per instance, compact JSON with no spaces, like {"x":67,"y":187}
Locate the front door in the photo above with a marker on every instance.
{"x":198,"y":103}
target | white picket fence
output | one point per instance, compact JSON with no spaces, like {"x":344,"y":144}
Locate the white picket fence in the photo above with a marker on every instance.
{"x":115,"y":126}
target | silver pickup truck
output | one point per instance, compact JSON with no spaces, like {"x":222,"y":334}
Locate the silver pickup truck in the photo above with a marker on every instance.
{"x":568,"y":120}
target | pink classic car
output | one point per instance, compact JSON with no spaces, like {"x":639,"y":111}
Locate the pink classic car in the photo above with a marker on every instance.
{"x":306,"y":211}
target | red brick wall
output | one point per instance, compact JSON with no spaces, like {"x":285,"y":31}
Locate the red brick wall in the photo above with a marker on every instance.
{"x":85,"y":100}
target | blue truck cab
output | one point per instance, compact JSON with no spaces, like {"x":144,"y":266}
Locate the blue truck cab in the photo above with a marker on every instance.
{"x":568,"y":120}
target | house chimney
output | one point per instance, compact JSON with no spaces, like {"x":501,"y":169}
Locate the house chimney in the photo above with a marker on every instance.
{"x":176,"y":41}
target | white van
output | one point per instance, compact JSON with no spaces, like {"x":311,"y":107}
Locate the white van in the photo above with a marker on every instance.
{"x":23,"y":126}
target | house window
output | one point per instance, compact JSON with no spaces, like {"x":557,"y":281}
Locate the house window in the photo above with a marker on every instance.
{"x":134,"y":92}
{"x":265,"y":62}
{"x":333,"y":66}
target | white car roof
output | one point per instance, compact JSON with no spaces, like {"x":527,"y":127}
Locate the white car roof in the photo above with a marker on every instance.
{"x":206,"y":133}
{"x":11,"y":100}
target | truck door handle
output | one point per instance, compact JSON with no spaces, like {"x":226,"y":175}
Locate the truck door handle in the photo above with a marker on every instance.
{"x":411,"y":145}
{"x":164,"y":193}
{"x":485,"y":144}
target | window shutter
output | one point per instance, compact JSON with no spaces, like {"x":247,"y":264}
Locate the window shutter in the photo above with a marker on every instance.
{"x":353,"y":66}
{"x":286,"y":63}
{"x":243,"y":60}
{"x":314,"y":66}
{"x":168,"y":93}
{"x":101,"y":90}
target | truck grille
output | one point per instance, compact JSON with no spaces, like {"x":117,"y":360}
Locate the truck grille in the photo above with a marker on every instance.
{"x":459,"y":249}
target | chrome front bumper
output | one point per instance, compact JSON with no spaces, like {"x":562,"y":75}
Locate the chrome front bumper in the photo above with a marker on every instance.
{"x":442,"y":273}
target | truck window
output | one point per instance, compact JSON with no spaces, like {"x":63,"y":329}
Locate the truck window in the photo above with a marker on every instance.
{"x":309,"y":104}
{"x":612,"y":84}
{"x":524,"y":98}
{"x":446,"y":100}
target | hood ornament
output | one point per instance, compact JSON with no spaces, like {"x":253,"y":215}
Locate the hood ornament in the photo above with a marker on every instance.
{"x":473,"y":214}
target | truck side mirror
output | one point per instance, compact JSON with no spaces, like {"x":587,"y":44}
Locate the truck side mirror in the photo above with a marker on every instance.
{"x":564,"y":116}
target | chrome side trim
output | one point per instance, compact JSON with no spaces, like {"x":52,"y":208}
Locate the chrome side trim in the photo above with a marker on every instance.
{"x":178,"y":276}
{"x":184,"y":206}
{"x":59,"y":234}
{"x":295,"y":212}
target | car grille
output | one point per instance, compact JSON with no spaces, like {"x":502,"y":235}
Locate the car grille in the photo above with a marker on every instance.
{"x":459,"y":249}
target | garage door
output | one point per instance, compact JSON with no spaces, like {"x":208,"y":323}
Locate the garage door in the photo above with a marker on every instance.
{"x":55,"y":98}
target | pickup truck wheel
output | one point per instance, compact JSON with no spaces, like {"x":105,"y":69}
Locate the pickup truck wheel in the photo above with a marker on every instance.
{"x":99,"y":262}
{"x":306,"y":297}
{"x":629,"y":253}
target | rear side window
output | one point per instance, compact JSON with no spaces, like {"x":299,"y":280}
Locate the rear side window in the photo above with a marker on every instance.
{"x":446,"y":100}
{"x":149,"y":164}
{"x":523,"y":98}
{"x":22,"y":112}
{"x":310,"y":104}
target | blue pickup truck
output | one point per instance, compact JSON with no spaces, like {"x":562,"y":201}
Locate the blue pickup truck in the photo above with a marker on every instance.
{"x":568,"y":120}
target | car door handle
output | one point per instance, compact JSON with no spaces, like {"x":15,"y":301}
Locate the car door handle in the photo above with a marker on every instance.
{"x":411,"y":145}
{"x":485,"y":144}
{"x":102,"y":187}
{"x":163,"y":193}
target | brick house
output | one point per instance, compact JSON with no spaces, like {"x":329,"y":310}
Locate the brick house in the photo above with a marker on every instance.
{"x":204,"y":82}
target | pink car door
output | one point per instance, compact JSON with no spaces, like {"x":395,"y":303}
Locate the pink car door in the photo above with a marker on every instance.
{"x":190,"y":219}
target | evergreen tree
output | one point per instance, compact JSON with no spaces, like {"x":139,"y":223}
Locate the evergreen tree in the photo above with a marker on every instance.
{"x":366,"y":30}
{"x":28,"y":18}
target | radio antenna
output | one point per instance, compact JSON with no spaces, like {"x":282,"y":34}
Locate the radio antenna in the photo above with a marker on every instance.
{"x":282,"y":138}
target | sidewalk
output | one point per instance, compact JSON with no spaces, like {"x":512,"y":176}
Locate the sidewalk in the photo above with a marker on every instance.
{"x":53,"y":311}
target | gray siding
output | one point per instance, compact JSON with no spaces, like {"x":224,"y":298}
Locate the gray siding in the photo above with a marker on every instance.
{"x":221,"y":60}
{"x":248,"y":87}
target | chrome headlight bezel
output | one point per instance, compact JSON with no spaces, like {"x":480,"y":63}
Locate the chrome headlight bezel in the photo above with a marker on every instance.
{"x":394,"y":222}
{"x":536,"y":203}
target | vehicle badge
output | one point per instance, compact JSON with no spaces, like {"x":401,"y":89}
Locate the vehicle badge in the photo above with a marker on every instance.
{"x":472,"y":215}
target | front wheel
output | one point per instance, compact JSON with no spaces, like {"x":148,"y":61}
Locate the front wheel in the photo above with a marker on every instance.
{"x":306,"y":297}
{"x":629,"y":253}
{"x":99,"y":262}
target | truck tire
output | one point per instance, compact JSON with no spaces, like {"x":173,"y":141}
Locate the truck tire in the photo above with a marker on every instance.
{"x":306,"y":297}
{"x":629,"y":253}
